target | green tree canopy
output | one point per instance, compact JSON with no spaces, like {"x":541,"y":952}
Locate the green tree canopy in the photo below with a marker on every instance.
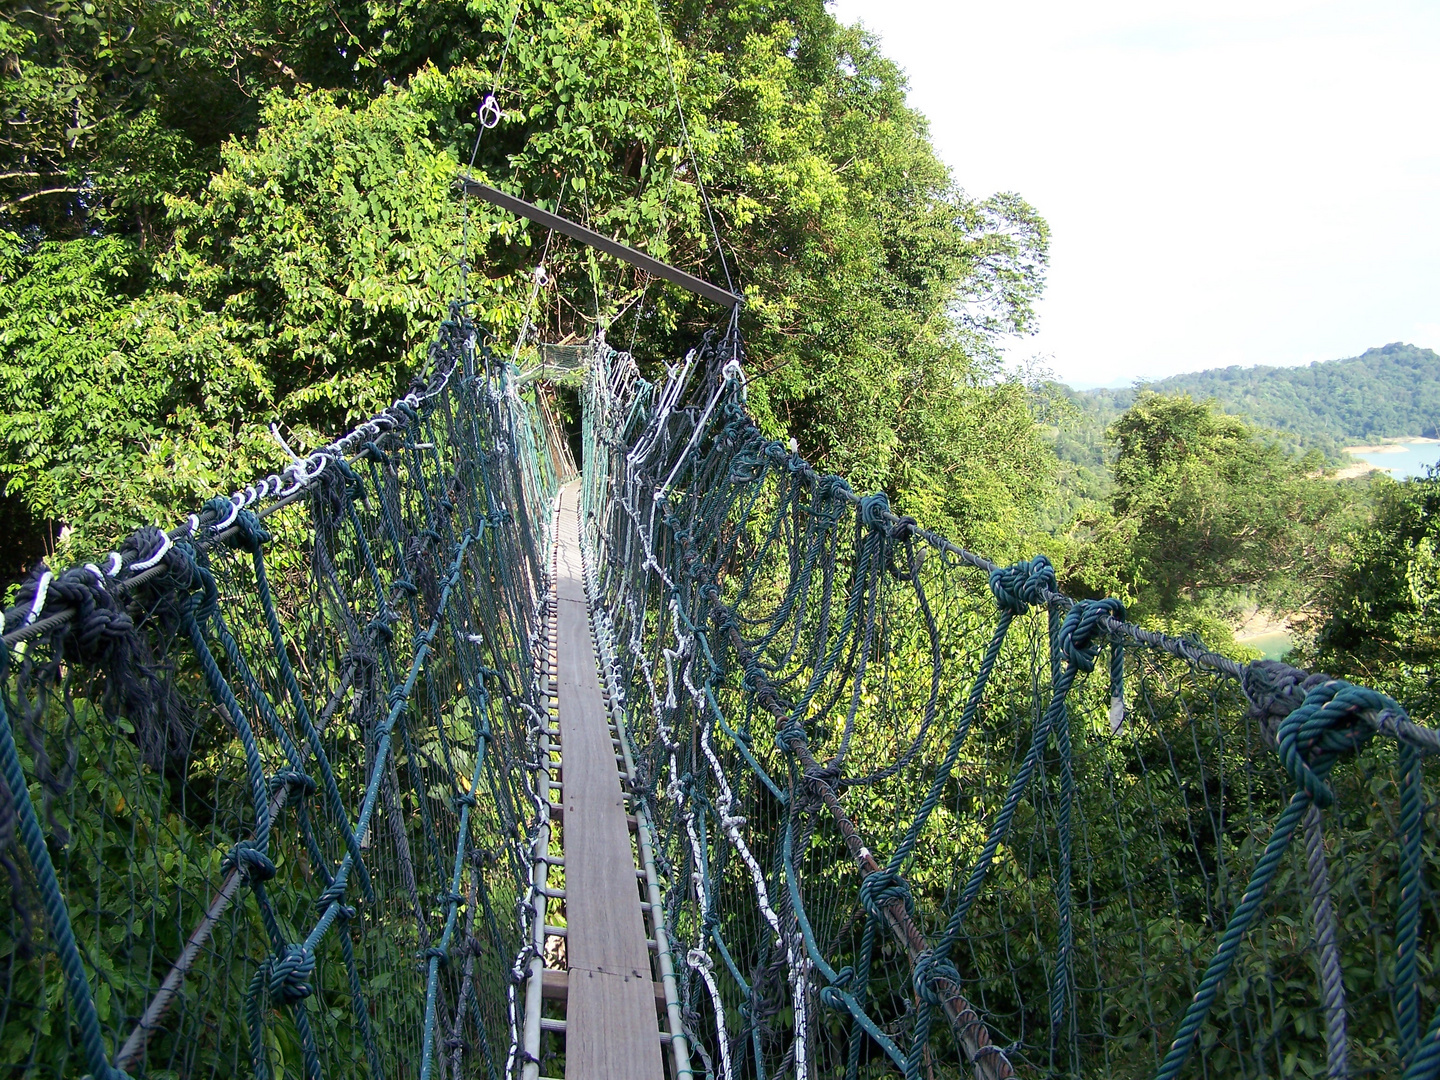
{"x":1380,"y":622}
{"x":1206,"y":509}
{"x":255,"y":211}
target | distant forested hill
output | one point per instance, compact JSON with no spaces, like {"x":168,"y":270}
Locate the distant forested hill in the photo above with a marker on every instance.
{"x":1385,"y":392}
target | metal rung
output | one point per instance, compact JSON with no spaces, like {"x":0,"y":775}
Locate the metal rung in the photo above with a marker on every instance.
{"x":555,"y":931}
{"x":547,"y":1024}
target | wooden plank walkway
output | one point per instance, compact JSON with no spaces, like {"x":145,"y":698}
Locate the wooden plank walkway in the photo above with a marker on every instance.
{"x":611,"y":1028}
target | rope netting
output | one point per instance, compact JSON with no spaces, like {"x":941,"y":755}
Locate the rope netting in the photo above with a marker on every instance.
{"x":270,"y":783}
{"x":919,"y":813}
{"x":266,"y":781}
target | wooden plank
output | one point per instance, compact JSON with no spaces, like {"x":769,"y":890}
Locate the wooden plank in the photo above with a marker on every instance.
{"x":602,"y":1039}
{"x":555,"y":985}
{"x":611,"y":1024}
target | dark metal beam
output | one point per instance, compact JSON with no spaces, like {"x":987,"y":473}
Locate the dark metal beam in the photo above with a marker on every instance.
{"x":521,"y":208}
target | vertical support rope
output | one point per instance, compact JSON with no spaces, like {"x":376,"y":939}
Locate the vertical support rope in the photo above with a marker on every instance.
{"x":1322,"y":914}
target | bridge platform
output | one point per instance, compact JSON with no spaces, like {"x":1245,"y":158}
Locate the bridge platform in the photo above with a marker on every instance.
{"x":611,"y":1024}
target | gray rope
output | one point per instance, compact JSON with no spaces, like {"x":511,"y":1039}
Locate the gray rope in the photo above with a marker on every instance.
{"x":1322,"y":913}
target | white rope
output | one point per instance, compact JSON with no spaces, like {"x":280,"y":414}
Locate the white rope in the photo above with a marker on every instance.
{"x":42,"y":589}
{"x":165,"y":545}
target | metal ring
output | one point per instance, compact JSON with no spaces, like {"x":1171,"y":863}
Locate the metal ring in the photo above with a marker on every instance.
{"x":489,"y":113}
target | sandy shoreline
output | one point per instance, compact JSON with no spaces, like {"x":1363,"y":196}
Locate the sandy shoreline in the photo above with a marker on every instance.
{"x":1261,"y":624}
{"x":1392,"y":446}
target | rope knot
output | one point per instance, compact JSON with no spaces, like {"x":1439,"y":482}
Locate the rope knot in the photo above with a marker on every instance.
{"x":354,"y":483}
{"x":288,"y":973}
{"x":880,"y":889}
{"x":929,"y":970}
{"x":294,"y":781}
{"x":249,"y":535}
{"x":252,"y":864}
{"x":700,"y":960}
{"x":1275,"y":689}
{"x":146,"y":547}
{"x":379,"y":629}
{"x":332,"y":894}
{"x":1017,"y":587}
{"x":788,"y":733}
{"x":875,"y":512}
{"x":1079,"y":637}
{"x":745,"y":467}
{"x":827,"y":774}
{"x":1335,"y":718}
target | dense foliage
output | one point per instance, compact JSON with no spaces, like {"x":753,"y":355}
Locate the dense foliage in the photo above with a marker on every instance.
{"x":1380,"y":611}
{"x":222,"y":219}
{"x":218,"y":218}
{"x":1207,"y":512}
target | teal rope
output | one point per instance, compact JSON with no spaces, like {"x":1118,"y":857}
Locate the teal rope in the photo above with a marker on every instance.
{"x":1328,"y":723}
{"x":253,"y":536}
{"x":82,"y":1000}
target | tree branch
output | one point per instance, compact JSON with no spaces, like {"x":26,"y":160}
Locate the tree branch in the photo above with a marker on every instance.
{"x":36,"y":194}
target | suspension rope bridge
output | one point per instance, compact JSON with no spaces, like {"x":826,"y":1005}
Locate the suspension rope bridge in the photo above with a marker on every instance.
{"x":427,"y":758}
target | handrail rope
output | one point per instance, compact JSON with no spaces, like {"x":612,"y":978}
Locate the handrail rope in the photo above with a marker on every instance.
{"x":201,"y":529}
{"x":1264,"y":685}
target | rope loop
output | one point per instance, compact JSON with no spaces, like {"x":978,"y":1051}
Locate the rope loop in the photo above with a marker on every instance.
{"x":1016,"y":588}
{"x":880,"y":889}
{"x":288,"y":972}
{"x":488,"y":112}
{"x":875,"y":512}
{"x":247,"y":860}
{"x":1079,"y":639}
{"x":788,"y":733}
{"x":929,"y":970}
{"x":249,"y":534}
{"x":1335,"y":718}
{"x":222,"y":512}
{"x":293,"y":780}
{"x":145,"y":548}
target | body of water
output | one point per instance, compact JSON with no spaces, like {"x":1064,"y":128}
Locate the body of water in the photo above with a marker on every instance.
{"x":1272,"y":646}
{"x":1401,"y":459}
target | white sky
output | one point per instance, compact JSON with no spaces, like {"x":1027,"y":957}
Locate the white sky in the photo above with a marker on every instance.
{"x":1227,"y":182}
